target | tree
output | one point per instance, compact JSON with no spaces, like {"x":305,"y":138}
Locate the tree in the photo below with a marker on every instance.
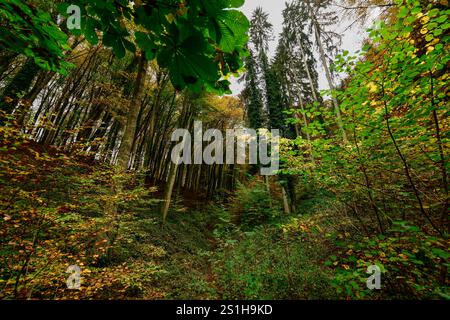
{"x":197,"y":41}
{"x":296,"y":66}
{"x":318,"y":19}
{"x":45,"y":44}
{"x":252,"y":95}
{"x":132,"y":115}
{"x":260,"y":31}
{"x":17,"y":86}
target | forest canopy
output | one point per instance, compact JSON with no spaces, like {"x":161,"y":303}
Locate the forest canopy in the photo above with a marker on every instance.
{"x":199,"y":42}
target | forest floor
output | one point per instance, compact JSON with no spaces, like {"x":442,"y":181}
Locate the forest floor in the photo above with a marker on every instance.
{"x":196,"y":257}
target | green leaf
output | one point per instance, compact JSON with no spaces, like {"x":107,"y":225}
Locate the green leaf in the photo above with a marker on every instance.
{"x":119,"y":49}
{"x":403,"y":12}
{"x":233,"y":26}
{"x":129,"y":45}
{"x":440,"y":253}
{"x":88,"y":29}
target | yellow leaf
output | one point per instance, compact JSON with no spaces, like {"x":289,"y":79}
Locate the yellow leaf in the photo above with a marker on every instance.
{"x":425,"y":19}
{"x":182,"y":11}
{"x":170,"y":17}
{"x":372,"y":87}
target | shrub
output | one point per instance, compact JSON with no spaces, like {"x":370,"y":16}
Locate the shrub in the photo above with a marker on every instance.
{"x":253,"y":206}
{"x":268,"y":264}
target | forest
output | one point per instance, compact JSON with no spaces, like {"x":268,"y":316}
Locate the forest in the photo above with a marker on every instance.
{"x":98,"y":98}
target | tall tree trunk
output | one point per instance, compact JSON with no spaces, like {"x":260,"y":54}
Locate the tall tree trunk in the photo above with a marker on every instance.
{"x":19,"y":84}
{"x":305,"y":123}
{"x":405,"y":164}
{"x":290,"y":78}
{"x":287,"y":208}
{"x":184,"y":121}
{"x":7,"y":57}
{"x":330,"y":81}
{"x":308,"y":72}
{"x":442,"y":156}
{"x":168,"y":191}
{"x":131,"y":123}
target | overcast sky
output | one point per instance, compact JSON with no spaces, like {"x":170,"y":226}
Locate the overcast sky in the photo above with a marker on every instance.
{"x":351,"y":41}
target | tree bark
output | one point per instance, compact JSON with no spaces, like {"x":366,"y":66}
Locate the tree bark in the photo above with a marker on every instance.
{"x":19,"y":84}
{"x":183,"y":121}
{"x":286,"y":206}
{"x":130,"y":126}
{"x":330,"y":81}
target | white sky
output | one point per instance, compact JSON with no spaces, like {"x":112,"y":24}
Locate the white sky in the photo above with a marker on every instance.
{"x":351,"y":40}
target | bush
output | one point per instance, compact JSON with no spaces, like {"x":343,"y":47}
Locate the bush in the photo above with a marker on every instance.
{"x":413,"y":265}
{"x":253,"y":206}
{"x":268,"y":264}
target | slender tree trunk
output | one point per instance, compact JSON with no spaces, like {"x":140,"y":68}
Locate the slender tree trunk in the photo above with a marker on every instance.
{"x":286,"y":206}
{"x":183,"y":121}
{"x":368,"y":184}
{"x":442,"y":163}
{"x":406,"y":166}
{"x":305,"y":123}
{"x":308,"y":73}
{"x":131,"y":123}
{"x":168,"y":191}
{"x":330,"y":81}
{"x":7,"y":57}
{"x":19,"y":84}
